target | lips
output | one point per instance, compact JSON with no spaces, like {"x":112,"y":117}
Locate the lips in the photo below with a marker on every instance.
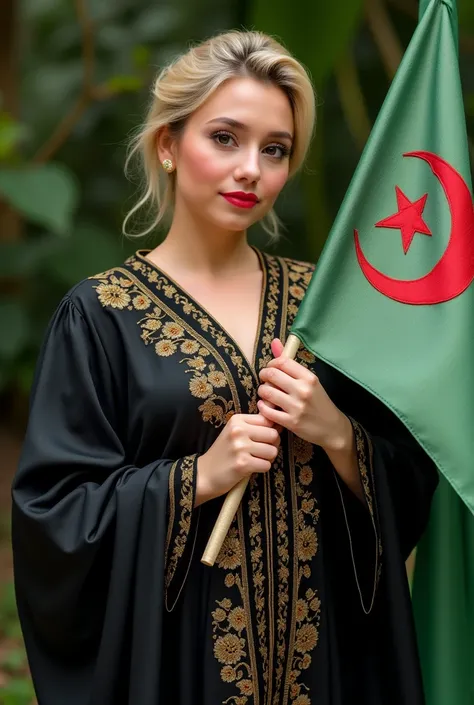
{"x":241,"y":199}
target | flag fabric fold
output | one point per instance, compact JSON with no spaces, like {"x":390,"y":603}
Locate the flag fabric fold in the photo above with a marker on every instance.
{"x":391,"y":305}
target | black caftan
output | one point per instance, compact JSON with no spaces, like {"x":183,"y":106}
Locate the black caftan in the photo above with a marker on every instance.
{"x":308,"y":602}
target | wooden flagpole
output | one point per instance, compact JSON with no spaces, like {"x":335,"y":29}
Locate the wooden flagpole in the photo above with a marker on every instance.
{"x":234,"y":497}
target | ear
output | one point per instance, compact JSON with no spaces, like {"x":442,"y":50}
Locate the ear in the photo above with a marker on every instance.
{"x":165,"y":145}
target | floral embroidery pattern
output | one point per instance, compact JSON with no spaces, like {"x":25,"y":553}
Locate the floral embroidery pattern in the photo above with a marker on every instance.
{"x":362,"y":458}
{"x":181,"y":525}
{"x":229,"y":624}
{"x":287,"y":608}
{"x":258,"y":574}
{"x":169,"y":338}
{"x":270,"y":322}
{"x":230,"y":555}
{"x":366,"y":475}
{"x":216,"y":409}
{"x":308,"y":605}
{"x":300,"y":274}
{"x":283,"y":554}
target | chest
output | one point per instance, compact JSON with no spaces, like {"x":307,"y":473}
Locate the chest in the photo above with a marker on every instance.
{"x":236,"y":306}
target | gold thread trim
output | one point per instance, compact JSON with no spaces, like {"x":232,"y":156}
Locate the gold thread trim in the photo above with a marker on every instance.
{"x":361,"y":436}
{"x":246,"y":601}
{"x":186,"y":504}
{"x":177,"y":318}
{"x":294,"y":506}
{"x":250,"y":363}
{"x":171,"y":494}
{"x":263,"y":304}
{"x":245,"y":373}
{"x":284,"y":313}
{"x":271,"y":585}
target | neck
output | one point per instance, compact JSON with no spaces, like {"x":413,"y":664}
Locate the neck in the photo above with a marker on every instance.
{"x":192,"y":246}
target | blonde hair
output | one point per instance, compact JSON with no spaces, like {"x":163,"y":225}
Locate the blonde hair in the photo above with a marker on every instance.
{"x":184,"y":85}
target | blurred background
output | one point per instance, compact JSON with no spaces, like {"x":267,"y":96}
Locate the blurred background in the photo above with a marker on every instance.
{"x":74,"y":82}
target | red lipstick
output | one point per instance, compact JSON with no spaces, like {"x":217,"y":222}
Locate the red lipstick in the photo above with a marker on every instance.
{"x":241,"y":199}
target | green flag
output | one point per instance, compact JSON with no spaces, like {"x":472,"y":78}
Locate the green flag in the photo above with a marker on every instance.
{"x":391,"y":305}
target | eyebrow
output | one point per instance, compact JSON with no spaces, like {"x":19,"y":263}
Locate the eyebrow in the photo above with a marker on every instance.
{"x":240,"y":126}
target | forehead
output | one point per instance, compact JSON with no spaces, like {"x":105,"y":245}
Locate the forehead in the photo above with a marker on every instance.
{"x":260,"y":106}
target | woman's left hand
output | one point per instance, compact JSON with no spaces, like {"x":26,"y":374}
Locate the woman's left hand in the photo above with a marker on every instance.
{"x":304,"y":407}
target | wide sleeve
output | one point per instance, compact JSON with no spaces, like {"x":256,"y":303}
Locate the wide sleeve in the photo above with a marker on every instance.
{"x":379,"y":641}
{"x":362,"y":532}
{"x":398,"y":482}
{"x":98,"y":543}
{"x":403,"y":475}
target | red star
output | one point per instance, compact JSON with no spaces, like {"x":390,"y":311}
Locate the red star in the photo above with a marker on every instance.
{"x":408,"y":218}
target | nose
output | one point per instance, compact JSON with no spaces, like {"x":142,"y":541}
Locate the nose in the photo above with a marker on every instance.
{"x":248,"y":167}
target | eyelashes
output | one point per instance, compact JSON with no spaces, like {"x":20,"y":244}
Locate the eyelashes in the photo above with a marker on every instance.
{"x":283,"y":149}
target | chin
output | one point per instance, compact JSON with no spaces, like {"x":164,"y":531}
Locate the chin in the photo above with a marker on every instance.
{"x":233,"y":223}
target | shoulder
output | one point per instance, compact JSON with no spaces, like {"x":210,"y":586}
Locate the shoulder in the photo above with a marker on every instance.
{"x":101,"y":293}
{"x":295,"y":273}
{"x":298,"y":269}
{"x":90,"y":316}
{"x":294,"y":267}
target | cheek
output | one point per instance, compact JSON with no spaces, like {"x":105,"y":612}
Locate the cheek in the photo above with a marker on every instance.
{"x":200,"y":164}
{"x":274,"y":181}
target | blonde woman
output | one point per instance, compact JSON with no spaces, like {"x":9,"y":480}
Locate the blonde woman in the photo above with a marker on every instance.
{"x":159,"y":387}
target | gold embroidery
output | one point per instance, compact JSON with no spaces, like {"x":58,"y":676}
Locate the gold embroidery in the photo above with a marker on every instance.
{"x":172,"y":506}
{"x":169,"y":336}
{"x":258,"y":576}
{"x":304,"y":355}
{"x":113,"y":295}
{"x":206,"y":378}
{"x":230,"y":555}
{"x":216,"y":409}
{"x":268,"y":501}
{"x":307,"y":610}
{"x":361,"y":439}
{"x":362,"y":459}
{"x":269,"y":324}
{"x":300,"y":274}
{"x":283,"y":574}
{"x":186,"y":505}
{"x":296,"y":613}
{"x":231,"y":626}
{"x":297,"y":291}
{"x":141,"y":302}
{"x":305,"y":541}
{"x":303,"y":450}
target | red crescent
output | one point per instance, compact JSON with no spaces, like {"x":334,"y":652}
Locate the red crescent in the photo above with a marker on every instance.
{"x":454,"y":272}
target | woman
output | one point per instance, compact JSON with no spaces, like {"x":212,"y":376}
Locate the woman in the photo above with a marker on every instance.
{"x":160,"y":385}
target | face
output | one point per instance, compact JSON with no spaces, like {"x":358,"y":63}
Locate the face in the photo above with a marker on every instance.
{"x":232,"y":159}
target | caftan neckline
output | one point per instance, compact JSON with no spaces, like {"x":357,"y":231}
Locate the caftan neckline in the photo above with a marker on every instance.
{"x":252,"y":364}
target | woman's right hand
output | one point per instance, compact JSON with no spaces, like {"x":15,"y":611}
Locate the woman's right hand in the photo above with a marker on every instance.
{"x":248,"y":444}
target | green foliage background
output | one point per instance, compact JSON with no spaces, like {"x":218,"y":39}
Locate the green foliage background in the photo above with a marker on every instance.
{"x":68,"y":103}
{"x":97,"y":59}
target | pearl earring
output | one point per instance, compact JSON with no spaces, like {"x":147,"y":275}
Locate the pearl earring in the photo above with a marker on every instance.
{"x":168,"y":165}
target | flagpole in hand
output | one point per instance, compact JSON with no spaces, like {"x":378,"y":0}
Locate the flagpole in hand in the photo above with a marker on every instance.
{"x":234,"y":496}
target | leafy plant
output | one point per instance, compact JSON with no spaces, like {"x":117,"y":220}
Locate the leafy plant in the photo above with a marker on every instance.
{"x":85,"y":82}
{"x":16,"y":688}
{"x":17,"y":691}
{"x":8,"y":613}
